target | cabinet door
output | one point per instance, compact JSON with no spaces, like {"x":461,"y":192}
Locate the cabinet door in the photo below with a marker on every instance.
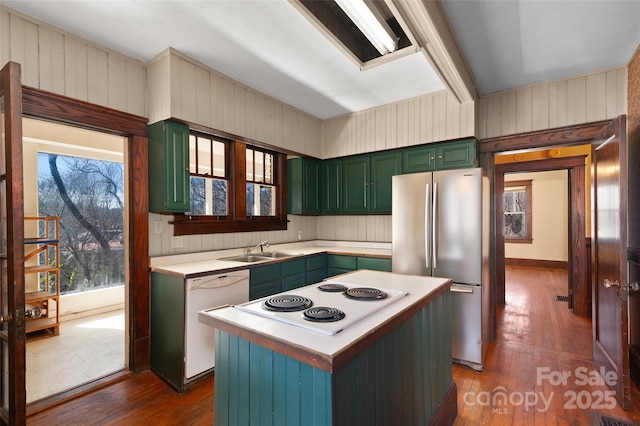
{"x":265,"y":281}
{"x":340,"y":264}
{"x":316,"y":268}
{"x":169,"y":180}
{"x":356,"y":184}
{"x":303,"y":178}
{"x":420,"y":159}
{"x":374,"y":263}
{"x":310,"y":182}
{"x":293,"y":281}
{"x":456,"y":155}
{"x":331,"y":186}
{"x":383,"y":167}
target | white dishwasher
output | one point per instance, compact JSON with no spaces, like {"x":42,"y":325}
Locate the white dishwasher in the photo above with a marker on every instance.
{"x":202,"y":293}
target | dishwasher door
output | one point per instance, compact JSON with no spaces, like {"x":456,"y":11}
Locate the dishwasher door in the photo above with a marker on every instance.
{"x":204,"y":293}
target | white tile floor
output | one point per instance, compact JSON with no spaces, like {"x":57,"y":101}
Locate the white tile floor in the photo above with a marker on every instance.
{"x":86,"y":349}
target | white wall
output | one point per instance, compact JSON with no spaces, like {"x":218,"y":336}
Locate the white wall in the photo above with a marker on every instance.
{"x":577,"y":100}
{"x":62,"y":63}
{"x":425,"y":119}
{"x":550,"y":225}
{"x":183,"y":88}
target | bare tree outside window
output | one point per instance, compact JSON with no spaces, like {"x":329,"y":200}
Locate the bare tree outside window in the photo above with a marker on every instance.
{"x":517,"y":212}
{"x":88,"y":196}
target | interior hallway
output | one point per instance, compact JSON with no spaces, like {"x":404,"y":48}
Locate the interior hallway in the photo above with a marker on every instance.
{"x":534,"y":331}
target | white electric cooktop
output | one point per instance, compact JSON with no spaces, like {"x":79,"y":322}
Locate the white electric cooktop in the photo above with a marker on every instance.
{"x":354,"y":310}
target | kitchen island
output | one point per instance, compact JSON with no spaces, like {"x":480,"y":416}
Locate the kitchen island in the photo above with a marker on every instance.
{"x":392,"y":367}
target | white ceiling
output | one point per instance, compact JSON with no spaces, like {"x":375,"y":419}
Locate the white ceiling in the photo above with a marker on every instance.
{"x":270,"y":46}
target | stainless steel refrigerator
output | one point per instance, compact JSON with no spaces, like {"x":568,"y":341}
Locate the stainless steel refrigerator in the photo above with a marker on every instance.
{"x":440,"y":227}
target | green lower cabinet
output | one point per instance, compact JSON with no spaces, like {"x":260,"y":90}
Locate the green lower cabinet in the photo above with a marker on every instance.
{"x":316,"y":268}
{"x":265,"y":281}
{"x":340,"y":264}
{"x":374,"y":263}
{"x":167,"y":328}
{"x":293,"y":274}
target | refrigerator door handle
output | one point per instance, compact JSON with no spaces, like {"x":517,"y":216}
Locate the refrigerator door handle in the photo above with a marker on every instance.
{"x":434,"y":224}
{"x":427,"y":245}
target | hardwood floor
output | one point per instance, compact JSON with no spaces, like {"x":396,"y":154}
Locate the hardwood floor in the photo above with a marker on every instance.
{"x":538,"y":338}
{"x":534,"y":332}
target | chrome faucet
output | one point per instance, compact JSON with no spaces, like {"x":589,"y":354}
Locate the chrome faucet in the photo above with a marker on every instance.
{"x":262,"y":245}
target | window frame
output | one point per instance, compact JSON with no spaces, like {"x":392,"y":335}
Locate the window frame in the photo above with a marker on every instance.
{"x":236,"y":219}
{"x":527,"y":184}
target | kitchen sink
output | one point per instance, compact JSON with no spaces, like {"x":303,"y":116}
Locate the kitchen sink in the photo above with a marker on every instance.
{"x":274,"y":255}
{"x":247,"y":258}
{"x":259,"y":257}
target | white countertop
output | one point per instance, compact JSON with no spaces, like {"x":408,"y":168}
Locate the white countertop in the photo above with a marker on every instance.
{"x":186,"y":265}
{"x":322,"y":350}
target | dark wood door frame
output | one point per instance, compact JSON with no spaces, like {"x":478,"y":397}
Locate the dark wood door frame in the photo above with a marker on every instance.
{"x":563,"y":136}
{"x":51,"y":107}
{"x":579,"y":284}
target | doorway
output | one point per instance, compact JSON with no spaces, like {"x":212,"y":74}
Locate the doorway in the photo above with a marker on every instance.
{"x":578,"y":289}
{"x":90,"y":342}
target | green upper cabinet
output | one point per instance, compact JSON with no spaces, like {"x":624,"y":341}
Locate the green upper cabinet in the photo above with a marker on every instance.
{"x":169,"y":185}
{"x":419,"y":159}
{"x":303,"y":178}
{"x":355,"y":183}
{"x":456,"y":155}
{"x":331,"y":186}
{"x":383,"y":167}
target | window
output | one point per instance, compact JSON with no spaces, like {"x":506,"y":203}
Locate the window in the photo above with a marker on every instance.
{"x":235,"y":187}
{"x":209,"y":182}
{"x":261,"y":194}
{"x":517,"y":211}
{"x":91,"y":218}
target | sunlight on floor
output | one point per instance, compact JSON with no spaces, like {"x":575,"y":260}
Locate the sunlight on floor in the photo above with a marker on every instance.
{"x":86,"y":349}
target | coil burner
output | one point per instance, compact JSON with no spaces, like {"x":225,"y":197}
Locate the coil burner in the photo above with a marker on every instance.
{"x":332,"y":288}
{"x":287,"y":303}
{"x":323,"y":314}
{"x":365,"y":293}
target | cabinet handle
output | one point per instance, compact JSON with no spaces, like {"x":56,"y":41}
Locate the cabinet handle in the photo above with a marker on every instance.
{"x":372,"y":183}
{"x":439,"y":157}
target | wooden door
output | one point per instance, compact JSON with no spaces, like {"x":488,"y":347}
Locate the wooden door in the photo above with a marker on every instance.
{"x":12,"y":331}
{"x":610,"y":313}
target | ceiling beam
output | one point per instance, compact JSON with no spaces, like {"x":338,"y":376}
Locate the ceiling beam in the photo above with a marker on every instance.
{"x":429,"y":25}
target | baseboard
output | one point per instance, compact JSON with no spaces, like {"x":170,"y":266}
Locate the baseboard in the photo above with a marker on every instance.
{"x":535,"y":263}
{"x":448,"y":410}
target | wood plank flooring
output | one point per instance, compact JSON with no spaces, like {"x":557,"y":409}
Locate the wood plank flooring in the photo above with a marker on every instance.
{"x":535,"y":331}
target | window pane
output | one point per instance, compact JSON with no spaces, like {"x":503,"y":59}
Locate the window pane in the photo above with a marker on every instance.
{"x":198,"y":196}
{"x":249,"y":166}
{"x":208,"y":196}
{"x":219,"y":166}
{"x":261,"y":200}
{"x":268,"y":168}
{"x":219,"y":197}
{"x":259,"y":167}
{"x":204,"y":156}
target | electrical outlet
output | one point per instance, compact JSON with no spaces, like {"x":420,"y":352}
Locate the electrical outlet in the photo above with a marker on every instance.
{"x":157,"y":227}
{"x":176,"y":242}
{"x":299,"y":234}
